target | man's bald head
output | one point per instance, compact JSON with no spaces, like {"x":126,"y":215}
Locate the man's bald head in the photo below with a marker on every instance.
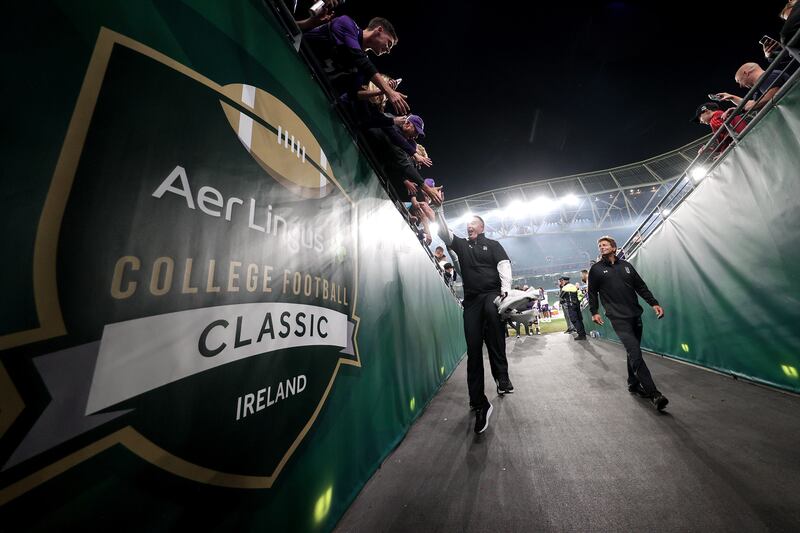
{"x":748,"y":74}
{"x":475,"y":227}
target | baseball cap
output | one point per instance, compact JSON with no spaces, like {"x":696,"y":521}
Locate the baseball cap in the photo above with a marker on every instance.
{"x":418,"y":125}
{"x":565,"y":278}
{"x":708,"y":106}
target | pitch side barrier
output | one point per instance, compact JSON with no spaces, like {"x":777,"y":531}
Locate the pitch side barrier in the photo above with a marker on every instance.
{"x":710,"y":156}
{"x":213,"y":314}
{"x":723,"y":261}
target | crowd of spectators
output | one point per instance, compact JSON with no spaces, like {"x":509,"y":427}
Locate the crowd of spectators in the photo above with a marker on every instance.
{"x":372,"y":101}
{"x":751,"y":76}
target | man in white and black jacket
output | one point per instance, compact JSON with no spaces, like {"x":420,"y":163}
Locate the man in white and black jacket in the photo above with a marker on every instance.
{"x":486,"y":274}
{"x":617,"y":283}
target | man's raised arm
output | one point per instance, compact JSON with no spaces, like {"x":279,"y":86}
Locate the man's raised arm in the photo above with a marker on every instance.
{"x":444,"y":232}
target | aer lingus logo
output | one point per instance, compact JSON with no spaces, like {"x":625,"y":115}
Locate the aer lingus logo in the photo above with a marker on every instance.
{"x":198,"y":262}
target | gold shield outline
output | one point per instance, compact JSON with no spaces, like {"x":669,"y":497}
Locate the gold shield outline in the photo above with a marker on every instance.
{"x":48,"y":310}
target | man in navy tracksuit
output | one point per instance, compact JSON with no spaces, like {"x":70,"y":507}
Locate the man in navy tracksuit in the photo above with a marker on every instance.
{"x":617,"y":283}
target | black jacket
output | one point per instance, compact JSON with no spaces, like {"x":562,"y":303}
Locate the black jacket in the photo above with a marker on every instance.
{"x":479,"y":261}
{"x":617,"y":285}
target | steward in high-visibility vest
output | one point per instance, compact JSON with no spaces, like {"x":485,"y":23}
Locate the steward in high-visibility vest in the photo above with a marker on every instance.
{"x":570,"y":298}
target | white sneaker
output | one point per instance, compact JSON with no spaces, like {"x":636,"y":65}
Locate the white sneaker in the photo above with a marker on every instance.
{"x":482,"y":419}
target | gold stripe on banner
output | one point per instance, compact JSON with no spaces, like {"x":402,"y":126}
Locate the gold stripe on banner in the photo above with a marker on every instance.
{"x":49,"y":311}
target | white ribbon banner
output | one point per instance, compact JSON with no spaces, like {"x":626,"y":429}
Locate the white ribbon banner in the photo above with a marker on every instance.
{"x":140,"y":355}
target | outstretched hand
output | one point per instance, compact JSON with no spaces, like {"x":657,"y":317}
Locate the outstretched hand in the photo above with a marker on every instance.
{"x":432,"y":193}
{"x":769,"y":48}
{"x":323,"y":18}
{"x":398,"y":101}
{"x":423,"y":160}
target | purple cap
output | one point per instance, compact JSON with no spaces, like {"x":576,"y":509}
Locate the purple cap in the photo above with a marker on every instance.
{"x":429,"y":182}
{"x":418,"y":125}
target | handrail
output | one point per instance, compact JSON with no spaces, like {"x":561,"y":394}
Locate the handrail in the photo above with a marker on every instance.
{"x":664,"y":208}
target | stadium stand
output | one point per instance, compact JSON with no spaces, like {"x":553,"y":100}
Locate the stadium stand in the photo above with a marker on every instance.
{"x":551,"y":227}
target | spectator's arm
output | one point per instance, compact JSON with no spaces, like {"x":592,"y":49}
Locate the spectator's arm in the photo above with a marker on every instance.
{"x":359,"y":59}
{"x":728,"y":97}
{"x":378,"y":120}
{"x":769,"y":49}
{"x":764,"y":100}
{"x":325,"y":16}
{"x":411,"y":187}
{"x":365,"y":94}
{"x":422,"y":159}
{"x":426,"y":229}
{"x":398,"y":140}
{"x":641,"y":288}
{"x":434,"y":193}
{"x":396,"y":98}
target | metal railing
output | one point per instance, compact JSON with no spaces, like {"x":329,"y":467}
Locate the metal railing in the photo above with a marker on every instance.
{"x":721,"y":143}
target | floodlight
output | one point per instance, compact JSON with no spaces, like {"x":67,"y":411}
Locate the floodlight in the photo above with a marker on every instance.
{"x":698,"y":173}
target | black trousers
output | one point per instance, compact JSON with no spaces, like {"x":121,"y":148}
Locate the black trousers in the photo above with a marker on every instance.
{"x":629,"y":331}
{"x":483,"y":324}
{"x":565,"y":312}
{"x":574,"y":313}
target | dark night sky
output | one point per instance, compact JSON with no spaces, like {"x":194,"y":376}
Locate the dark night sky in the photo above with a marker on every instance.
{"x":612,"y":82}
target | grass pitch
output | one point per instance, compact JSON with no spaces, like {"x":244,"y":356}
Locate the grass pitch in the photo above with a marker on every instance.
{"x":556,"y":325}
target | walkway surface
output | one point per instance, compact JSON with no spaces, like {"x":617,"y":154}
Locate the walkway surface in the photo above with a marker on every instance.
{"x":572,"y":450}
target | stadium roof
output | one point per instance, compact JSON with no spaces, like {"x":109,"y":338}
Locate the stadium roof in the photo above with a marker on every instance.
{"x":608,"y":199}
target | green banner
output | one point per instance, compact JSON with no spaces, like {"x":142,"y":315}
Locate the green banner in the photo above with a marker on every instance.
{"x":723,"y":265}
{"x":213,"y":312}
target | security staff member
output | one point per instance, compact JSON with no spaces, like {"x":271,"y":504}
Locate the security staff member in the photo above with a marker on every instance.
{"x":572,"y":306}
{"x":617,"y":283}
{"x":563,"y":304}
{"x":486,"y":274}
